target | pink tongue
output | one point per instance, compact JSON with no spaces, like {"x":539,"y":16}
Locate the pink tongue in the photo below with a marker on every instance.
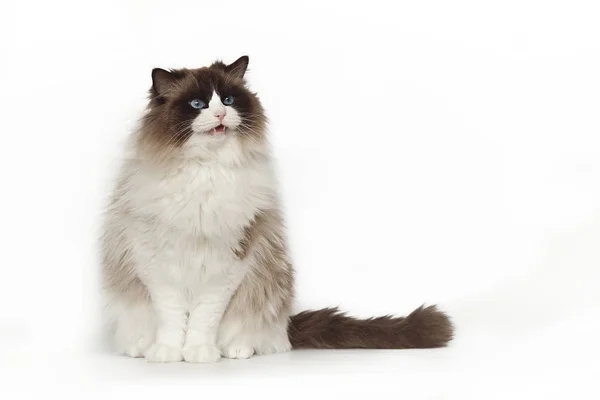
{"x":218,"y":129}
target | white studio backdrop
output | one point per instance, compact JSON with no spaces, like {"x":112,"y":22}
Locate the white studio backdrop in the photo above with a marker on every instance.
{"x":429,"y":152}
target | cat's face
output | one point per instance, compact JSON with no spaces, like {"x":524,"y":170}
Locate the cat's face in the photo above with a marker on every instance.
{"x":211,"y":103}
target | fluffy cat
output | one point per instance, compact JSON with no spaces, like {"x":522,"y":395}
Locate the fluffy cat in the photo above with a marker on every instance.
{"x":195,"y":264}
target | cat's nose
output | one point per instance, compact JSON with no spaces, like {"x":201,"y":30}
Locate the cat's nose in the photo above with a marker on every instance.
{"x":220,"y":114}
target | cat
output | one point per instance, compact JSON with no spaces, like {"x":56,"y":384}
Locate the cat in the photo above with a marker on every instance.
{"x":195,"y":264}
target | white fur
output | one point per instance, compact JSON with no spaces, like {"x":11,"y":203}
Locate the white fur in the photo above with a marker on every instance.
{"x":208,"y":119}
{"x":181,"y":228}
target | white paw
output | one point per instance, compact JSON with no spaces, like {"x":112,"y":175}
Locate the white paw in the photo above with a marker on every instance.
{"x":163,"y":353}
{"x":134,"y":351}
{"x":205,"y":353}
{"x":137,"y":349}
{"x":276,"y":346}
{"x":239,"y":352}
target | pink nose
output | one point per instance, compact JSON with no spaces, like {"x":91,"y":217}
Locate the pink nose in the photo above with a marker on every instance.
{"x":220,"y":115}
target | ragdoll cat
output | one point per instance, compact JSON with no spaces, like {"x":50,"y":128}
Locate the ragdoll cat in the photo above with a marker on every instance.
{"x":195,"y":263}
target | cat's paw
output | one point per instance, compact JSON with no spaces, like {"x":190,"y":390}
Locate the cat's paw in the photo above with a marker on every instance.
{"x":240,"y":352}
{"x":134,"y":351}
{"x":275,"y":345}
{"x":163,"y":353}
{"x":204,"y":353}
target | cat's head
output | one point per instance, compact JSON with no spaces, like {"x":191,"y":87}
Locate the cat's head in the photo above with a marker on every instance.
{"x":209,"y":105}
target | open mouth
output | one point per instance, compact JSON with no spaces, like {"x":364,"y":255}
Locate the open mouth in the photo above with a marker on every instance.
{"x":217,"y":131}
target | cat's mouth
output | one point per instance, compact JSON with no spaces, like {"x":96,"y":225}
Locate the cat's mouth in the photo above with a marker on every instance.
{"x":217,"y":131}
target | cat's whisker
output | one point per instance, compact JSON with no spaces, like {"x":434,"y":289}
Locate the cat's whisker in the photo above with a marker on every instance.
{"x":194,"y":247}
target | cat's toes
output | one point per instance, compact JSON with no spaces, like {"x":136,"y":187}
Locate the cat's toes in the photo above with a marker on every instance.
{"x":163,"y":353}
{"x":239,"y":352}
{"x":201,"y":354}
{"x":134,"y":351}
{"x":274,"y":346}
{"x":137,"y":349}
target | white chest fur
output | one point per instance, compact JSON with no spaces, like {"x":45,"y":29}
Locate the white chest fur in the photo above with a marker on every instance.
{"x":186,"y":220}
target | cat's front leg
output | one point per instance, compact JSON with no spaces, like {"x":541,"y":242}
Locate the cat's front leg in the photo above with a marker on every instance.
{"x":205,"y":317}
{"x":171,"y":314}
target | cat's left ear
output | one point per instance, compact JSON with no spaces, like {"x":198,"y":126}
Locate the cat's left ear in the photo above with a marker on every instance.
{"x":238,"y":67}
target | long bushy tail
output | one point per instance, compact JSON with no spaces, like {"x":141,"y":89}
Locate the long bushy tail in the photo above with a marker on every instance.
{"x":426,"y":327}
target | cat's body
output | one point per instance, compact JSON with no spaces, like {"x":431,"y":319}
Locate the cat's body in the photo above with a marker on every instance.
{"x":195,"y":257}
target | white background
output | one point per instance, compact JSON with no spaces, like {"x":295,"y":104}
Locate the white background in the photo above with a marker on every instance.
{"x":429,"y":151}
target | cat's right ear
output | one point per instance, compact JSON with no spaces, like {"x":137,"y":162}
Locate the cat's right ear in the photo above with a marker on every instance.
{"x":162,"y":81}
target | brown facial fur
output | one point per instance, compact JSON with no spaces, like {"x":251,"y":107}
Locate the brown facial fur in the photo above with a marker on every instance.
{"x":167,"y":124}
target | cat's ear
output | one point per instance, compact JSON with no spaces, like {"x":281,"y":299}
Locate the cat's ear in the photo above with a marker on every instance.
{"x":238,"y":67}
{"x":162,"y":81}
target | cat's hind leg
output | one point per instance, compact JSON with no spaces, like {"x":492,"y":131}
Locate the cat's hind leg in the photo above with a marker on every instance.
{"x":274,"y":339}
{"x":241,"y":337}
{"x":133,"y":327}
{"x":236,"y":337}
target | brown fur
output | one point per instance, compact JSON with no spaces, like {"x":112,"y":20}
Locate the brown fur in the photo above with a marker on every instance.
{"x":263,"y":300}
{"x":331,"y":329}
{"x":167,"y":124}
{"x":271,"y":281}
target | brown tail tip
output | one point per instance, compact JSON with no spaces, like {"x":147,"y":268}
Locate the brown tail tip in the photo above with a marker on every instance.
{"x":425,"y":327}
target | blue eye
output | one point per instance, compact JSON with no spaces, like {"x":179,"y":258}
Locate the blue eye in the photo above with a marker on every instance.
{"x":228,"y":100}
{"x":198,"y":104}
